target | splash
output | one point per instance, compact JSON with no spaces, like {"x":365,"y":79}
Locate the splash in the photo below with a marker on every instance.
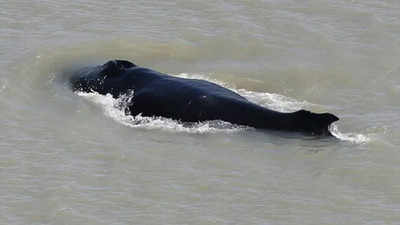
{"x":350,"y":137}
{"x":273,"y":101}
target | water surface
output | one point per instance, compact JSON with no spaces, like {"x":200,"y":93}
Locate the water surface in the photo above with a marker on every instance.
{"x":73,"y":158}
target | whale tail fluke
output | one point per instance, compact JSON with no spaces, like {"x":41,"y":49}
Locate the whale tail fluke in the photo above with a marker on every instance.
{"x":314,"y":123}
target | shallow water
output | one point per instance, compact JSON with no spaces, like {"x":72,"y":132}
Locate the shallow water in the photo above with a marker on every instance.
{"x":74,"y":158}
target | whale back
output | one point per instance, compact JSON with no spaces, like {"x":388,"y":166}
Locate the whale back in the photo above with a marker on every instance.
{"x":192,"y":100}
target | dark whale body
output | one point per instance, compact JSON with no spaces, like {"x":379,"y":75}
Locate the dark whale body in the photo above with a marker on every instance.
{"x":191,"y":100}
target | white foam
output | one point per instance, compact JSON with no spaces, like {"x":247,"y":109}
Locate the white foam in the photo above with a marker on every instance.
{"x":350,"y":137}
{"x":273,"y":101}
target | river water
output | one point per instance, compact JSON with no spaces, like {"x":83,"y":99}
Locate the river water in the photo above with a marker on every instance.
{"x":74,"y":158}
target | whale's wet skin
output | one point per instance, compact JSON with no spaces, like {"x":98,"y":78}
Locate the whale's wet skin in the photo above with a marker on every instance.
{"x":86,"y":156}
{"x":190,"y":100}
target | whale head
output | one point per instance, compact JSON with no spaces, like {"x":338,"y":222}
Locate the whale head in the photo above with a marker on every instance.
{"x":101,"y":78}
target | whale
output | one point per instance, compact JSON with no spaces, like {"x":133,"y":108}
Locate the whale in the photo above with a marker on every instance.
{"x":157,"y":94}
